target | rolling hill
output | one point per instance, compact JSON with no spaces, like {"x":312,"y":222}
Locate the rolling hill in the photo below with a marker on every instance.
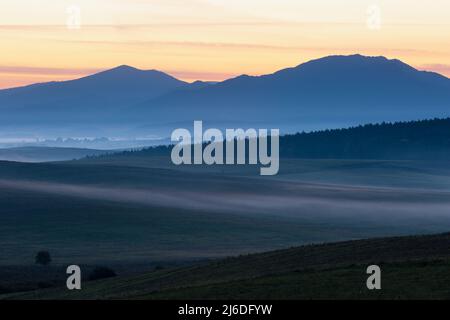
{"x":413,"y":140}
{"x":43,"y":154}
{"x":414,"y":267}
{"x":138,"y":212}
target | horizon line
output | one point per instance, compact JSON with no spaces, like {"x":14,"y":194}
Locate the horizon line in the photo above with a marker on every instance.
{"x":178,"y":74}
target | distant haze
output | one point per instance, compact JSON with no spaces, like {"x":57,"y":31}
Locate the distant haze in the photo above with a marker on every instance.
{"x":331,"y":92}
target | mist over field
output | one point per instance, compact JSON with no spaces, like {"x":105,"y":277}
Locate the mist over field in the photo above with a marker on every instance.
{"x":86,"y":185}
{"x":102,"y":210}
{"x":287,"y":198}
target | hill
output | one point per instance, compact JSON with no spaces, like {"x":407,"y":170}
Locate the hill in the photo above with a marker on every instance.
{"x":331,"y":92}
{"x":138,"y":212}
{"x":412,"y":267}
{"x":413,"y":140}
{"x":43,"y":154}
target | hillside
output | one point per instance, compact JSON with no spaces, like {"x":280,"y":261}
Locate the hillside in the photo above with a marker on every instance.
{"x":424,"y":140}
{"x":42,"y":154}
{"x":412,"y":267}
{"x":413,"y":140}
{"x":140,"y":212}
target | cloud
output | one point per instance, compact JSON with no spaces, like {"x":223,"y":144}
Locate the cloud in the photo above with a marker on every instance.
{"x":203,"y":75}
{"x":439,"y":68}
{"x":46,"y":70}
{"x":127,"y":26}
{"x":328,"y":50}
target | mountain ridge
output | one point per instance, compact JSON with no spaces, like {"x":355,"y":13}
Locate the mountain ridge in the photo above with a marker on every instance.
{"x":108,"y":90}
{"x":328,"y":92}
{"x":335,"y":90}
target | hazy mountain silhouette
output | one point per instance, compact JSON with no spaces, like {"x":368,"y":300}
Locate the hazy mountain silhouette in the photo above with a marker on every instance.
{"x":88,"y":97}
{"x":328,"y":92}
{"x":334,"y":91}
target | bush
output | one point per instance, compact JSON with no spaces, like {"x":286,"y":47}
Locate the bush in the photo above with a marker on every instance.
{"x":43,"y":258}
{"x":101,"y":273}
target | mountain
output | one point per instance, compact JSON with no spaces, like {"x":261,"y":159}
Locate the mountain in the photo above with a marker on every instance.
{"x":334,"y":91}
{"x":331,"y":92}
{"x":84,"y":99}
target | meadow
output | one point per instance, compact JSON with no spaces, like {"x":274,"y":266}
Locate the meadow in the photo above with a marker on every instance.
{"x":135,"y":213}
{"x":413,"y":267}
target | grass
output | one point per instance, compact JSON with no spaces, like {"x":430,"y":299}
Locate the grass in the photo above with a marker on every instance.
{"x":412,"y":268}
{"x":135,"y":214}
{"x":217,"y":215}
{"x":407,"y":280}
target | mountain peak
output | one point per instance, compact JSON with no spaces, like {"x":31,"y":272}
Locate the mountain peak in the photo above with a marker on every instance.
{"x":344,"y":66}
{"x":125,"y":67}
{"x":355,"y":60}
{"x":126,"y":73}
{"x":350,"y":57}
{"x":121,"y":70}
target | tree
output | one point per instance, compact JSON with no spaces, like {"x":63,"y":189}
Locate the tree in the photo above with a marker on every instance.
{"x":43,"y":258}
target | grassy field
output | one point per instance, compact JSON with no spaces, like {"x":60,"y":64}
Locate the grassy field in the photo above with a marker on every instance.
{"x":134,"y":213}
{"x":412,"y":268}
{"x":410,"y":280}
{"x":387,"y":173}
{"x":107,"y":213}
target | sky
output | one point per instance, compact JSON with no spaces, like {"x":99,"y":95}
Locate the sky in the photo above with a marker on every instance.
{"x":49,"y":40}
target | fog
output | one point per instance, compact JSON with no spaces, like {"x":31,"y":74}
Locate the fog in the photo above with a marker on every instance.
{"x":300,"y":201}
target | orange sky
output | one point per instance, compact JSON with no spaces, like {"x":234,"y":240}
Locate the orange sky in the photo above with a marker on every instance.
{"x":44,"y":40}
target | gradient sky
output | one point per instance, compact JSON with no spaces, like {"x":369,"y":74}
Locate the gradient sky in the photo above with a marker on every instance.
{"x":213,"y":39}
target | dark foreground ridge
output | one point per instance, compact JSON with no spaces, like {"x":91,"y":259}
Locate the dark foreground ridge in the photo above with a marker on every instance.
{"x":413,"y":267}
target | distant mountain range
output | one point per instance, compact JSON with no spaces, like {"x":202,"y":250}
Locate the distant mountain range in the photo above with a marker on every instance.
{"x":330,"y":92}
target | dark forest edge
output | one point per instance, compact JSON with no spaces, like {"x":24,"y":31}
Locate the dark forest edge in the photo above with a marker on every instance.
{"x":407,"y":140}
